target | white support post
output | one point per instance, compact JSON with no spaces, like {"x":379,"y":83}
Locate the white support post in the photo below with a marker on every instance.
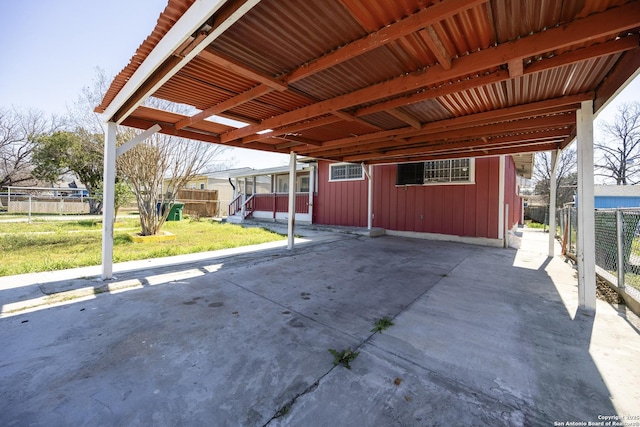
{"x":586,"y":217}
{"x":501,"y":219}
{"x":108,"y":199}
{"x":292,"y":200}
{"x":312,"y":186}
{"x":370,"y":199}
{"x":507,"y":225}
{"x":555,"y":154}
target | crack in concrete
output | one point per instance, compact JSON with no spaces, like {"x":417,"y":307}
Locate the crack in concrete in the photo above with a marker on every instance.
{"x":284,"y":409}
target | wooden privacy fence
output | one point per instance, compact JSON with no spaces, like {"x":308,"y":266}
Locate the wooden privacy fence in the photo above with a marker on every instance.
{"x":202,"y":203}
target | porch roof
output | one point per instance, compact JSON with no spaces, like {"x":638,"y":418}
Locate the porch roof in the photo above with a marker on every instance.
{"x":268,"y":171}
{"x":380,"y":80}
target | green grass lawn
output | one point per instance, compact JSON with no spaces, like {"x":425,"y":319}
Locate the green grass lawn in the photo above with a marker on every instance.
{"x":57,"y":245}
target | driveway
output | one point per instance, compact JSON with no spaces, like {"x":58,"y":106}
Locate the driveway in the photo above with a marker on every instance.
{"x":481,"y":336}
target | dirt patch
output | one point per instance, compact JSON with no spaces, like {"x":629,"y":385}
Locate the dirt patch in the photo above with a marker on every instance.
{"x":606,"y":293}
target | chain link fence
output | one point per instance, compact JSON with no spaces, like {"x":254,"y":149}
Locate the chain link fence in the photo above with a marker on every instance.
{"x":617,"y":245}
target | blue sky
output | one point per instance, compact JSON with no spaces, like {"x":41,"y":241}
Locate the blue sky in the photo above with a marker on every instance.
{"x":52,"y":47}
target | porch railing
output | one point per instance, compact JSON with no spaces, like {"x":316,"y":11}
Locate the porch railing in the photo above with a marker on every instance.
{"x":248,"y":206}
{"x":268,"y":202}
{"x":236,"y":205}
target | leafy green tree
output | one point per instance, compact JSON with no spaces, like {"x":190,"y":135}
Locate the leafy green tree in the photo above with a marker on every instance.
{"x":123,"y":195}
{"x":79,"y":152}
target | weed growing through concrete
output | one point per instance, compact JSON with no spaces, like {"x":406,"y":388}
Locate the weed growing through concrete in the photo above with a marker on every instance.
{"x":382,"y":324}
{"x":344,"y":357}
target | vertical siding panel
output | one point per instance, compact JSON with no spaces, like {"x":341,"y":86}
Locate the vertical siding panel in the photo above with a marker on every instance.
{"x":470,"y":210}
{"x":447,"y":214}
{"x":410,"y":209}
{"x":429,"y":213}
{"x":439,"y":207}
{"x":383,"y":214}
{"x":493,"y":193}
{"x":458,"y":211}
{"x":420,"y":213}
{"x":482,"y":197}
{"x":393,"y":201}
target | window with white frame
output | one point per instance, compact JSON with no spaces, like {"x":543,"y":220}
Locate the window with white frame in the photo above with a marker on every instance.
{"x":451,"y":171}
{"x":345,"y":172}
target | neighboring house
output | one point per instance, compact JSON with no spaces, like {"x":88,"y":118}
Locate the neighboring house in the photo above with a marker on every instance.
{"x":270,"y":199}
{"x":219,"y":181}
{"x":616,"y":196}
{"x":466,"y":199}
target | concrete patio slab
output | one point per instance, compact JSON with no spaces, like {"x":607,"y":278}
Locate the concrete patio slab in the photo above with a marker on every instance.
{"x":481,"y":336}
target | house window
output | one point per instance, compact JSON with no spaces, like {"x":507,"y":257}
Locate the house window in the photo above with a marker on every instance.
{"x":436,"y":172}
{"x":202,"y":186}
{"x":302,"y":183}
{"x":282,"y":183}
{"x":345,"y":172}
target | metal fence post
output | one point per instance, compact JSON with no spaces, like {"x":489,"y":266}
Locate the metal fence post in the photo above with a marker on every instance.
{"x":620,"y":247}
{"x":569,"y":226}
{"x":29,"y":208}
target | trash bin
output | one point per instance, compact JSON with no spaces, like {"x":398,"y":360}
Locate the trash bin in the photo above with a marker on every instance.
{"x":175,"y":214}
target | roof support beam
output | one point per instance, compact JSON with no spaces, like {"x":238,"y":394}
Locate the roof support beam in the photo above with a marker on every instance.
{"x":374,"y":40}
{"x":410,"y":24}
{"x":485,"y":152}
{"x":162,"y":63}
{"x":137,"y":140}
{"x":510,"y":113}
{"x":351,"y":118}
{"x":230,"y":103}
{"x":602,"y":49}
{"x":516,"y":68}
{"x":294,"y":138}
{"x":241,"y":69}
{"x":405,"y":117}
{"x":612,"y":21}
{"x":436,"y":46}
{"x":625,"y":69}
{"x":435,"y":146}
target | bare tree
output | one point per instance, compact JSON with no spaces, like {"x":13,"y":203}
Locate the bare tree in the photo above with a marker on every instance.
{"x":619,"y":153}
{"x":565,"y":175}
{"x":18,"y":132}
{"x":82,"y":115}
{"x":161,"y":157}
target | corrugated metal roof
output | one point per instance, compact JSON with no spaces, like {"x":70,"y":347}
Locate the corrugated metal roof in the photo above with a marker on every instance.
{"x":174,"y":10}
{"x":408,"y":68}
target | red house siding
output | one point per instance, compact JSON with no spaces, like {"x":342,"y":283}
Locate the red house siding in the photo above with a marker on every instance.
{"x":339,"y":203}
{"x":462,"y":209}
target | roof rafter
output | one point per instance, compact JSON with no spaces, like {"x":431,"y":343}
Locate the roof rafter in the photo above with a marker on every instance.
{"x":436,"y":46}
{"x":612,"y":21}
{"x":373,"y":40}
{"x":539,"y":137}
{"x":595,"y":51}
{"x":410,"y":24}
{"x":519,"y":111}
{"x":528,"y":148}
